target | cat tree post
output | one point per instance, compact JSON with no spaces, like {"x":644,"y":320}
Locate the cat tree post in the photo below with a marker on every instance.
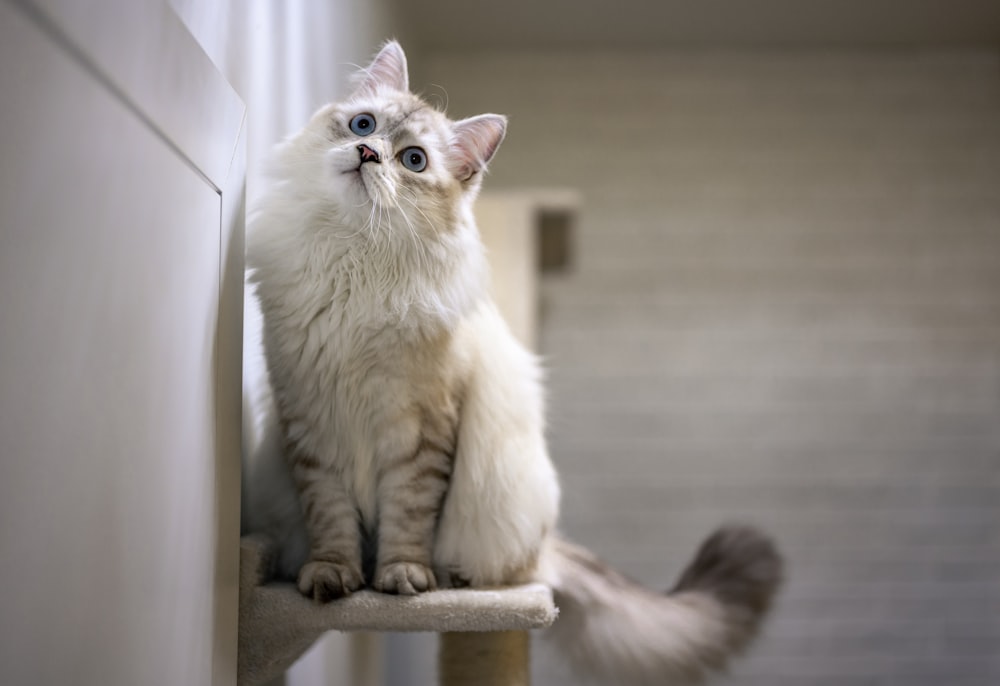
{"x":498,"y":658}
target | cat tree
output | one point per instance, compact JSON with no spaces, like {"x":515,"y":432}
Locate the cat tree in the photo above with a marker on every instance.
{"x":484,"y":640}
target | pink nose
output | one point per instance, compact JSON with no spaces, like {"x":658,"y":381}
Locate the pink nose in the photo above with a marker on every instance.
{"x":367,"y":154}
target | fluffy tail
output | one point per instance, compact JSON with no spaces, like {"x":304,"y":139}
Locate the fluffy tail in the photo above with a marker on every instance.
{"x":611,"y":627}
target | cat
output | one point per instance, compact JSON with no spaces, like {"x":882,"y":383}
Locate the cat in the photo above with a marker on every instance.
{"x":402,"y":446}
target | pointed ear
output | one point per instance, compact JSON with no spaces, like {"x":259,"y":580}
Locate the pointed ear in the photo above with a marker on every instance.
{"x":474,"y":141}
{"x":387,"y":70}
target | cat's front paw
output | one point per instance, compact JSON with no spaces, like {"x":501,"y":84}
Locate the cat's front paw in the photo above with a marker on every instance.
{"x":405,"y":578}
{"x":325,"y":581}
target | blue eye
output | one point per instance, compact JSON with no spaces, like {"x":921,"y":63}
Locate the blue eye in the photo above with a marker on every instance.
{"x":363,"y":124}
{"x":414,"y":159}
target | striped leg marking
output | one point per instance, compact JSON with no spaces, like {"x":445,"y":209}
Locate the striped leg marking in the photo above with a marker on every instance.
{"x":410,"y":493}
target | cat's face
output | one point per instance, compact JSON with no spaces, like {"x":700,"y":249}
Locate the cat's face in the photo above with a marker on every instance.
{"x":389,"y":161}
{"x":388,"y":153}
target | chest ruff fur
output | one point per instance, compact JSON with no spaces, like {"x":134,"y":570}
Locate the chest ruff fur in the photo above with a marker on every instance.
{"x":360,"y":398}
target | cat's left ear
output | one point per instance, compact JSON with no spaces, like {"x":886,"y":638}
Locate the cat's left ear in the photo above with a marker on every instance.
{"x":387,"y":70}
{"x":473,"y":143}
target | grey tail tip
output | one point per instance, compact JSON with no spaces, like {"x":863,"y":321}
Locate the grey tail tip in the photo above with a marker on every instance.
{"x":739,"y":565}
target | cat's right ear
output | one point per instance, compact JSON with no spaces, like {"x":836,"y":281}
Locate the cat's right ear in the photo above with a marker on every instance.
{"x":474,"y":142}
{"x":387,"y":70}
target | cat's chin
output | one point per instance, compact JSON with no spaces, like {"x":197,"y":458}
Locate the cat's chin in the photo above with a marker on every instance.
{"x":352,"y":185}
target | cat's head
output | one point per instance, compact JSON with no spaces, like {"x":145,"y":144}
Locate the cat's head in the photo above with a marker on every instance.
{"x":387,"y":160}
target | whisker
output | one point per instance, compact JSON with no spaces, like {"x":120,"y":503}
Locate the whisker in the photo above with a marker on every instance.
{"x":445,"y":91}
{"x":371,"y":216}
{"x":409,"y":224}
{"x":417,"y":208}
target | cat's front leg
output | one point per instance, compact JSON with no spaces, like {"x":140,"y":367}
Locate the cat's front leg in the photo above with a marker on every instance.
{"x":410,"y":492}
{"x":334,"y":567}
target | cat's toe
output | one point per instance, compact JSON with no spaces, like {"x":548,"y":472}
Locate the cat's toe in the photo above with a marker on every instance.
{"x":405,"y":578}
{"x":325,"y":581}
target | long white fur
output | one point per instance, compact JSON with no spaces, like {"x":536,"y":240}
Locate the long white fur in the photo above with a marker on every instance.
{"x":503,"y":495}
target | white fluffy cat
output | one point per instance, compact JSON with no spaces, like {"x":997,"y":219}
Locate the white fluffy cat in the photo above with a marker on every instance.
{"x":402,"y":446}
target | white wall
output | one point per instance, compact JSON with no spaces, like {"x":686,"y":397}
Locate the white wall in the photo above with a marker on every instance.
{"x":121,"y":269}
{"x":784,"y":310}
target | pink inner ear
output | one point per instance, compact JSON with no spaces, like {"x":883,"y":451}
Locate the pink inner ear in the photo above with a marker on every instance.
{"x":387,"y":70}
{"x":474,"y":142}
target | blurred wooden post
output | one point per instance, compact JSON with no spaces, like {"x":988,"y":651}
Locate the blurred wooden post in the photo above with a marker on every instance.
{"x":507,"y":226}
{"x":498,"y":658}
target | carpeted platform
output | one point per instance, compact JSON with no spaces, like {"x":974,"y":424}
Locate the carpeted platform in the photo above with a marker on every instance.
{"x":278,"y":624}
